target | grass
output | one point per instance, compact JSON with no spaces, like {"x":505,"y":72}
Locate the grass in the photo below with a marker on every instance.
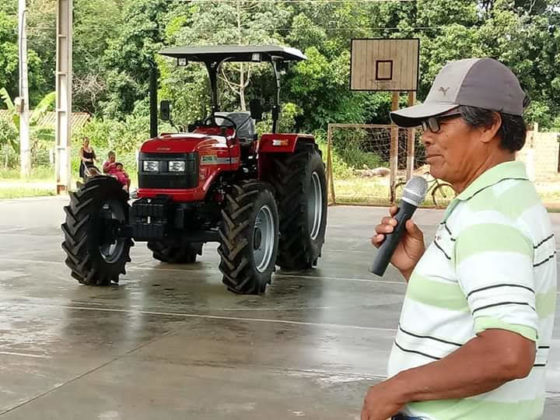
{"x":375,"y":191}
{"x":40,"y":183}
{"x":39,"y":173}
{"x":24,"y":191}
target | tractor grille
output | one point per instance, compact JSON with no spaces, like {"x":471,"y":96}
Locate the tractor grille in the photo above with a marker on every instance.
{"x":165,"y":179}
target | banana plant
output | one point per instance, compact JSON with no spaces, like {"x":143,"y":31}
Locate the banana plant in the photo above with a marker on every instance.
{"x":38,"y":132}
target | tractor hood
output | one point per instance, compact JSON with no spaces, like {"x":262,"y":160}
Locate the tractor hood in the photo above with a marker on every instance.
{"x":183,"y":143}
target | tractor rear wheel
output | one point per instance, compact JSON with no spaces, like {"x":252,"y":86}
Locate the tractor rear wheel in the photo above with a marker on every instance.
{"x":249,"y":237}
{"x":175,"y":254}
{"x":95,"y":239}
{"x":301,"y":188}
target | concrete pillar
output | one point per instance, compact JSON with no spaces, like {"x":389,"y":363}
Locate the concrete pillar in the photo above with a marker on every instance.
{"x":63,"y":129}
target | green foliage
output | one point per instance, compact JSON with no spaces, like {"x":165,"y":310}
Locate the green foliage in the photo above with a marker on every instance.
{"x":8,"y":158}
{"x":320,"y":86}
{"x":8,"y":51}
{"x":9,"y":104}
{"x":187,"y":89}
{"x":352,"y":147}
{"x":8,"y":136}
{"x":340,"y":168}
{"x":41,"y":27}
{"x":286,"y":122}
{"x":115,"y":42}
{"x":42,"y":138}
{"x":200,"y":22}
{"x":129,"y":55}
{"x":9,"y":61}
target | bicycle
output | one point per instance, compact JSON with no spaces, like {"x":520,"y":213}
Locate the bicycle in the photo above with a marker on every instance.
{"x":442,"y":192}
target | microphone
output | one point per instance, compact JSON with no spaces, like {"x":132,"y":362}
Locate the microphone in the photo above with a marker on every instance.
{"x":413,"y":194}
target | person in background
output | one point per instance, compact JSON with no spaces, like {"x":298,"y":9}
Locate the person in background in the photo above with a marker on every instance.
{"x":121,"y":175}
{"x":109,"y":164}
{"x":87,"y":158}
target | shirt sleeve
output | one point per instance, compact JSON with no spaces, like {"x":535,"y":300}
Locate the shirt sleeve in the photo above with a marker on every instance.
{"x":494,"y":265}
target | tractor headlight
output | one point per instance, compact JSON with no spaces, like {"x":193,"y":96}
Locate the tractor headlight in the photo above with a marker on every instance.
{"x":177,"y":166}
{"x":150,"y":166}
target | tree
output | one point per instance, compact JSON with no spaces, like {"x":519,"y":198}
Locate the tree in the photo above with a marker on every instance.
{"x":8,"y":52}
{"x":9,"y":77}
{"x":129,"y":55}
{"x":240,"y":22}
{"x":41,"y":34}
{"x":96,"y":24}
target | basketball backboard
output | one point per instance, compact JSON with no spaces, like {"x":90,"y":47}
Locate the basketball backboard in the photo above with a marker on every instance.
{"x":385,"y":64}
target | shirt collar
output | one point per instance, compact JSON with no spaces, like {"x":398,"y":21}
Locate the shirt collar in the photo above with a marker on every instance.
{"x":506,"y":170}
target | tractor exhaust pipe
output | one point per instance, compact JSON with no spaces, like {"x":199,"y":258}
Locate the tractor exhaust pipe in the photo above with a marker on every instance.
{"x":153,"y":99}
{"x":276,"y":105}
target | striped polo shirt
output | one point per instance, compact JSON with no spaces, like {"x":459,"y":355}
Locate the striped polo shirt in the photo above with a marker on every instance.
{"x":492,"y":264}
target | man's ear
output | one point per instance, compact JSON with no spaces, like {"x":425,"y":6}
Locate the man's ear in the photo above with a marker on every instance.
{"x":491,"y":131}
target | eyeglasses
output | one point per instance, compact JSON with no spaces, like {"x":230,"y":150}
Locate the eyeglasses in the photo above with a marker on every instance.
{"x":432,"y":123}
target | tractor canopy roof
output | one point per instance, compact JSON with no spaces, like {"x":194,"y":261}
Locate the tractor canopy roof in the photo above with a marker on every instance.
{"x":255,"y":53}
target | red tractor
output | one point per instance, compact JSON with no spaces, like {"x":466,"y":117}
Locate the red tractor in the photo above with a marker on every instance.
{"x":263,"y":200}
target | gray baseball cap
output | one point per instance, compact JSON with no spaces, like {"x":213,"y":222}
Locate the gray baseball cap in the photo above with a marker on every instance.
{"x":479,"y":82}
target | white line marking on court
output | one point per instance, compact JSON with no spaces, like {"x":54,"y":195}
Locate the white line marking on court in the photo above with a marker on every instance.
{"x":341,"y":278}
{"x":143,"y":267}
{"x":35,"y":356}
{"x":281,"y":275}
{"x":214,"y":317}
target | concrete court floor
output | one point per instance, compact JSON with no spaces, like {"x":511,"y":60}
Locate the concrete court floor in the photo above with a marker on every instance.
{"x":171,"y":343}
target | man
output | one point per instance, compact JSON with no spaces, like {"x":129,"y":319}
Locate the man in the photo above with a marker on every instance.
{"x":476,"y":323}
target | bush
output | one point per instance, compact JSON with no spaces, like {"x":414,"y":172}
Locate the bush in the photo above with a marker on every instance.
{"x":8,"y":135}
{"x":286,"y":122}
{"x":8,"y":157}
{"x":352,"y":147}
{"x":340,"y":168}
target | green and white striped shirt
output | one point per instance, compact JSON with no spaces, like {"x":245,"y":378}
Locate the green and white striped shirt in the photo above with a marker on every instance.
{"x":492,"y":264}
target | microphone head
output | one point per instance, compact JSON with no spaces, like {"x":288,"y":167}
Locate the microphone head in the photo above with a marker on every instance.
{"x":415,"y":190}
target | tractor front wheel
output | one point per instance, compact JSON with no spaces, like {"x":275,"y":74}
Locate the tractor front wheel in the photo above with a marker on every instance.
{"x":249,"y":237}
{"x":95,"y":232}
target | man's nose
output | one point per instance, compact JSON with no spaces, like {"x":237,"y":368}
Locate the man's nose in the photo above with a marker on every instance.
{"x":426,"y":138}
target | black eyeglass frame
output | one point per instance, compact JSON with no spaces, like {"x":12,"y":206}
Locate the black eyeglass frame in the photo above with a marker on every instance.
{"x":432,"y":123}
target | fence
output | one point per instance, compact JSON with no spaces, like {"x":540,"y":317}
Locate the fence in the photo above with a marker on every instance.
{"x":366,"y":161}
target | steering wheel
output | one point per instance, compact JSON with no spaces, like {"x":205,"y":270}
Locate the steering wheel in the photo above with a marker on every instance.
{"x":212,"y":118}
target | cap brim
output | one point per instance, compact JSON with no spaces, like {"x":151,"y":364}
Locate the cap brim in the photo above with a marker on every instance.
{"x":413,"y":116}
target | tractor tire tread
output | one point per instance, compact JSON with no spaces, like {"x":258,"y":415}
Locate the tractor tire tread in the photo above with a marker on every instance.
{"x":295,"y":251}
{"x":238,"y":275}
{"x":78,"y":214}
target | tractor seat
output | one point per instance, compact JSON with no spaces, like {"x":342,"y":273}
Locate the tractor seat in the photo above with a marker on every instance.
{"x":246,"y":132}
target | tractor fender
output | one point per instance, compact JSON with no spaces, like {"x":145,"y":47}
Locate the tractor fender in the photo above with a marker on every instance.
{"x":282,"y":143}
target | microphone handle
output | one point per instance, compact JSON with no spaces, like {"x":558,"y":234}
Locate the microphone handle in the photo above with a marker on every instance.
{"x":387,"y":248}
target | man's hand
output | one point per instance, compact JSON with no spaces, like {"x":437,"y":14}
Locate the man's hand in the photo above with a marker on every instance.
{"x":381,"y":402}
{"x":409,"y":250}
